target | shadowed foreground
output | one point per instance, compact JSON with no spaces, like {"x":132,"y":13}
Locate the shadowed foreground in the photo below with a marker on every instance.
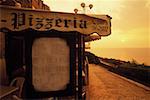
{"x":106,"y":86}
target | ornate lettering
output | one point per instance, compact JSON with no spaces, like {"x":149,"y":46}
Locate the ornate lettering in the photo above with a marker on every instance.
{"x":49,"y":23}
{"x":82,"y":24}
{"x":58,"y":21}
{"x":75,"y":23}
{"x":66,"y":23}
{"x":39,"y":23}
{"x":18,"y":20}
{"x":30,"y":20}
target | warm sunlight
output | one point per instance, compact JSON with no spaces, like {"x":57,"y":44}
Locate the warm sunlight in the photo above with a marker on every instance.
{"x":130,"y":21}
{"x":127,"y":22}
{"x":75,"y":49}
{"x":123,"y":40}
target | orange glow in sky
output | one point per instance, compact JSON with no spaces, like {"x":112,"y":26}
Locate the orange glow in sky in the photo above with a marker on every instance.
{"x":130,"y":20}
{"x":130,"y":26}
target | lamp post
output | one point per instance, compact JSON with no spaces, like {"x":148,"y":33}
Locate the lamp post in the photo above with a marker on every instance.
{"x":83,"y":5}
{"x":81,"y":63}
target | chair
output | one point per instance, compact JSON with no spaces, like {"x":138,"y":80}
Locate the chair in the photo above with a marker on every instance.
{"x":18,"y":82}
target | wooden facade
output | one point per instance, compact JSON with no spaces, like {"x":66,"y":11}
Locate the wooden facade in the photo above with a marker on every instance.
{"x":23,"y":31}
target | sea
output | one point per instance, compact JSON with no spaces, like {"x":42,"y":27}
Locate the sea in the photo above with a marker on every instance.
{"x":140,"y":55}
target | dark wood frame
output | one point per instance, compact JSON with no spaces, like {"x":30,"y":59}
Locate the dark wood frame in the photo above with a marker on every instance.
{"x":30,"y":36}
{"x":11,"y":58}
{"x":81,"y":50}
{"x":73,"y":38}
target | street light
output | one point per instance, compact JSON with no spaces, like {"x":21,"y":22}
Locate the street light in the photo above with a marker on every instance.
{"x":83,"y":5}
{"x":90,"y":6}
{"x":76,"y":10}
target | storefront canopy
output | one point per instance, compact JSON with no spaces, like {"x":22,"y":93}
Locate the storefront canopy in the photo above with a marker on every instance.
{"x":17,"y":19}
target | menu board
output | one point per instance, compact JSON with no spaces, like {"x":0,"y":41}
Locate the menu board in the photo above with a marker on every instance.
{"x":50,"y":64}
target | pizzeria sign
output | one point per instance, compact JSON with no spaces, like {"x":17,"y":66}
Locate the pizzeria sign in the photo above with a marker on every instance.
{"x":19,"y":19}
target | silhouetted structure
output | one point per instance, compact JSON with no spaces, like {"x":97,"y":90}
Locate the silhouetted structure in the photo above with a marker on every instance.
{"x":34,"y":4}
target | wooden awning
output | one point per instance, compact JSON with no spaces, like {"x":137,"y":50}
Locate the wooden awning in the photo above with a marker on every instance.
{"x":17,"y":19}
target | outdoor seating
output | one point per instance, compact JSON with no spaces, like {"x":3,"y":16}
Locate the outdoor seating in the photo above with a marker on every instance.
{"x":18,"y":82}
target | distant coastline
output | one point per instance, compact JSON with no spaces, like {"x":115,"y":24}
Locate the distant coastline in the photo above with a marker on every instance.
{"x":140,"y":55}
{"x":132,"y":70}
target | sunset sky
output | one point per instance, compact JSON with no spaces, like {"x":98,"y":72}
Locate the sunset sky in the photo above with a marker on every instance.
{"x":130,"y":20}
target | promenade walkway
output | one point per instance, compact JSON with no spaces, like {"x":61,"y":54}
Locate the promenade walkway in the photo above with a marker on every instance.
{"x":106,"y":86}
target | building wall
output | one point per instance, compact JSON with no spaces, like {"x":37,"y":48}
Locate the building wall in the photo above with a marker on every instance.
{"x":34,"y":4}
{"x":38,"y":4}
{"x":25,"y":3}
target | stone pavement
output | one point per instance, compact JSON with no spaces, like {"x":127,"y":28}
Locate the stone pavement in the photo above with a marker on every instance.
{"x":106,"y":86}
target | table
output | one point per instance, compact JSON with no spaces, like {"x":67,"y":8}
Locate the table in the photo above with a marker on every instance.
{"x":7,"y":90}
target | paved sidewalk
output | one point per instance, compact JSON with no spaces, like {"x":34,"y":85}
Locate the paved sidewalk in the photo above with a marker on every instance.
{"x":106,"y":86}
